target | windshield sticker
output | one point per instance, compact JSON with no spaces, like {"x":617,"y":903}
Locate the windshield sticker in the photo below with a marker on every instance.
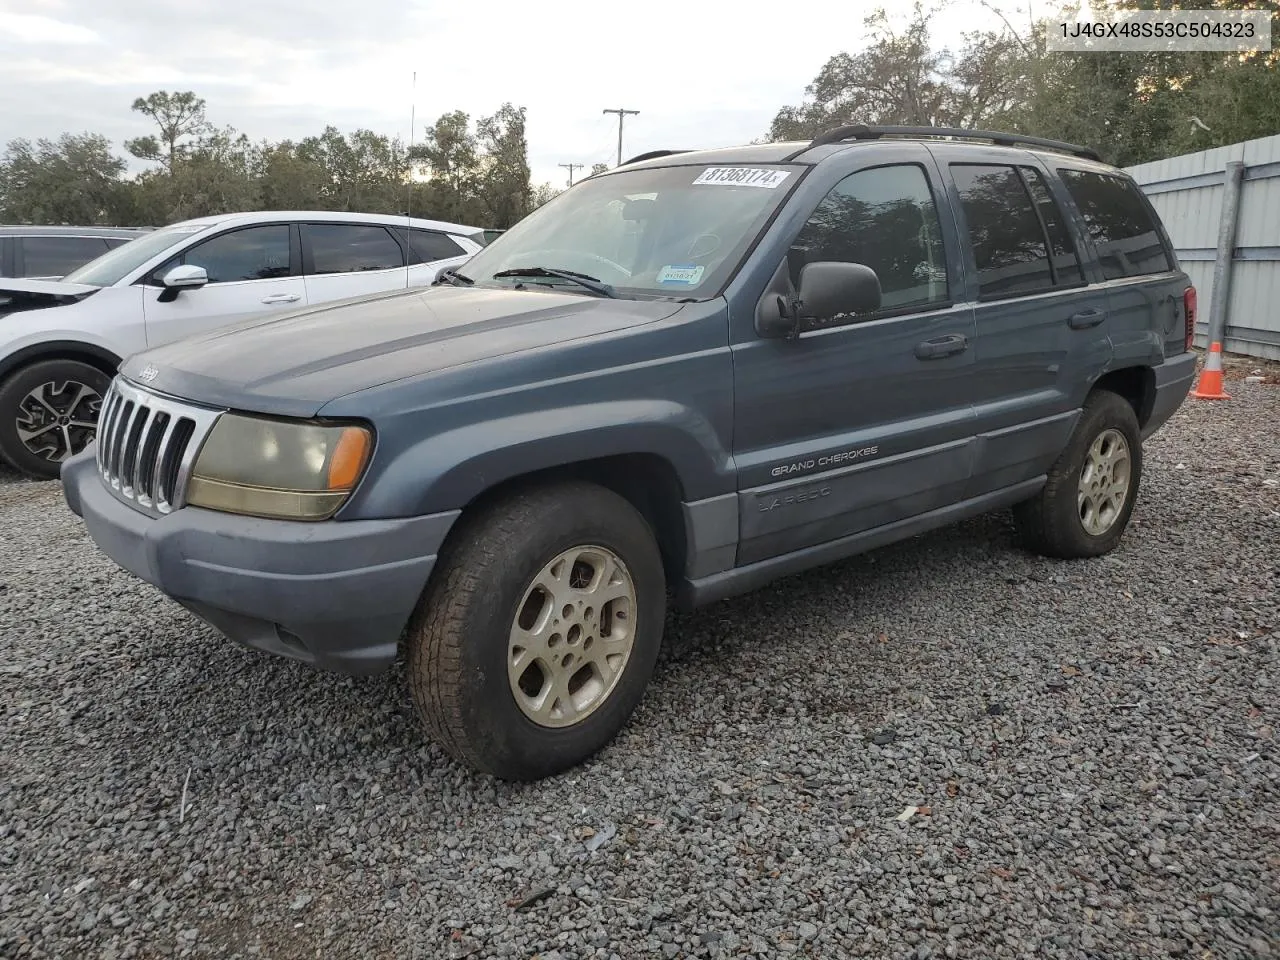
{"x":688,"y":275}
{"x":742,"y":177}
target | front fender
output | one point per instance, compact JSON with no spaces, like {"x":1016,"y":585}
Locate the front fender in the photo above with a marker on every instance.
{"x":450,"y":469}
{"x":108,"y":323}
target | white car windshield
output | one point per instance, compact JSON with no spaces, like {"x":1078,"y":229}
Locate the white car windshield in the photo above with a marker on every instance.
{"x":668,"y":232}
{"x":114,"y":266}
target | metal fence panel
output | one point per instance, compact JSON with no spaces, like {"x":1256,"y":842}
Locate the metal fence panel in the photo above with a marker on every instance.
{"x":1187,"y":192}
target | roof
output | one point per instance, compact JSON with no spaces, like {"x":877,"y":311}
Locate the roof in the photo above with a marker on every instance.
{"x":840,"y":139}
{"x":62,"y":230}
{"x":329,"y":216}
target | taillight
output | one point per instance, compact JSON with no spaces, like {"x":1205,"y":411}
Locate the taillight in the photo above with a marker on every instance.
{"x":1189,"y":308}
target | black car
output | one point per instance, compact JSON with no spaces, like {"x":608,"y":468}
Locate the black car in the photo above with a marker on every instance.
{"x":32,"y":252}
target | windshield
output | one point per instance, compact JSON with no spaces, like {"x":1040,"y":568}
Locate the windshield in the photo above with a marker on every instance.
{"x":114,"y":266}
{"x":669,"y":232}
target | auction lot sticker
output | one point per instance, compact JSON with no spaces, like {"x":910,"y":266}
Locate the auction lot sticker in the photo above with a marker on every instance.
{"x":742,"y":177}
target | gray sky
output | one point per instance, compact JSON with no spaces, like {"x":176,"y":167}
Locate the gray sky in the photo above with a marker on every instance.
{"x":701,"y":75}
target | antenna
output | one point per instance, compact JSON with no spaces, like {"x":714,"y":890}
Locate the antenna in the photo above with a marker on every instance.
{"x":413,"y":123}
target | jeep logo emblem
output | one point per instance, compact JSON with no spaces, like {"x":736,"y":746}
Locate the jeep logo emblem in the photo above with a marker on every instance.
{"x":149,"y":373}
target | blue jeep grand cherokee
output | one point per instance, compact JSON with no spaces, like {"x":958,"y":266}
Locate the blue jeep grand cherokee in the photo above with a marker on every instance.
{"x":687,"y":376}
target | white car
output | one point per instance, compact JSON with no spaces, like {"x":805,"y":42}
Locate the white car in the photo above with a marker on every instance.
{"x":61,"y":341}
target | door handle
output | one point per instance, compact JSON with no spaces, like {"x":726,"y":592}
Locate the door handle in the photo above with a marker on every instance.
{"x":940,"y":347}
{"x":1086,"y":318}
{"x":281,"y":298}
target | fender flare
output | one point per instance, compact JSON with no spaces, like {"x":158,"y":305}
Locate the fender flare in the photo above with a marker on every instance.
{"x":450,"y":469}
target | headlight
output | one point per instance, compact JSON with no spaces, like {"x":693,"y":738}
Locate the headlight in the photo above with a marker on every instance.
{"x":274,"y":468}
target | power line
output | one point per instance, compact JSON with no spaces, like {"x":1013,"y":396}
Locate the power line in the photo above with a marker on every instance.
{"x":571,"y":167}
{"x":621,"y":114}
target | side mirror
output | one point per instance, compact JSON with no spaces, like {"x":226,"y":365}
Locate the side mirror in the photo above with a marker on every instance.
{"x":830,"y":290}
{"x":185,"y":277}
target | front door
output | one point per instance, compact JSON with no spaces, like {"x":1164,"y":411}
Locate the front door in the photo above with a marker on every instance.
{"x":251,"y":271}
{"x":858,"y":425}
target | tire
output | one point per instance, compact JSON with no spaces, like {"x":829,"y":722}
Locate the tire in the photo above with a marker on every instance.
{"x":482,"y":659}
{"x":58,"y":383}
{"x":1064,"y":520}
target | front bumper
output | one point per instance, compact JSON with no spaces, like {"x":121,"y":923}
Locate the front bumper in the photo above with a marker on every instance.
{"x":1173,"y":380}
{"x":333,"y":594}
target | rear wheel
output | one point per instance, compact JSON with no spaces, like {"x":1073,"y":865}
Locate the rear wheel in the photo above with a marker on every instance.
{"x":1083,"y":509}
{"x":48,"y":412}
{"x":539,"y":632}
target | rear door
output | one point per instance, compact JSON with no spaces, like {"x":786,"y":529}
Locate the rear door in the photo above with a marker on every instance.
{"x":343,"y":260}
{"x":1135,"y":263}
{"x":1039,"y":325}
{"x":252,"y":271}
{"x":51,"y":258}
{"x":868,"y":421}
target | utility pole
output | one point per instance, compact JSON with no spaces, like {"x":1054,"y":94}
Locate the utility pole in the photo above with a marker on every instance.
{"x":621,"y":113}
{"x":571,"y":167}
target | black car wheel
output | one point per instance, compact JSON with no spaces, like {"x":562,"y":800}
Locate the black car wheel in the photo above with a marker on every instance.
{"x":48,"y":412}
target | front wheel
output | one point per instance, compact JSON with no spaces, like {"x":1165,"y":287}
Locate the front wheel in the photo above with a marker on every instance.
{"x":1085,"y":505}
{"x":48,"y":412}
{"x":538,"y":634}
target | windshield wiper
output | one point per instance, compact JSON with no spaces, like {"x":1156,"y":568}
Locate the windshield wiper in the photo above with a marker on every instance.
{"x":453,"y":277}
{"x":582,"y":279}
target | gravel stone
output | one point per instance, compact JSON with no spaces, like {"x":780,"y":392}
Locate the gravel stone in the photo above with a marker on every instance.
{"x":1075,"y":732}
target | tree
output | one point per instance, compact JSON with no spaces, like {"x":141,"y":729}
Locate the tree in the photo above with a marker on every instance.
{"x":219,"y":173}
{"x":902,"y":78}
{"x":287,"y":180}
{"x":543,"y":193}
{"x":599,"y":168}
{"x":504,"y":177}
{"x":1144,"y":105}
{"x":177,"y":115}
{"x":74,"y":180}
{"x":451,"y":152}
{"x":365,"y":171}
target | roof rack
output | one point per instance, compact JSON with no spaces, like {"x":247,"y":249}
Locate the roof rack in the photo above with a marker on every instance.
{"x":652,"y":155}
{"x":862,"y":131}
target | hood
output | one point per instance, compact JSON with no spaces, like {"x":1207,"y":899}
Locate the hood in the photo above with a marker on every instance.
{"x":292,"y":364}
{"x":19,"y":295}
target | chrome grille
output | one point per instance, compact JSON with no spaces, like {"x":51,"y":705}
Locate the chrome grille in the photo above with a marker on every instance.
{"x":147,"y":444}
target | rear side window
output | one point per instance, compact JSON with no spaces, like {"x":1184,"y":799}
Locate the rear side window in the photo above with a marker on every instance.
{"x":426,"y":246}
{"x":1120,"y":223}
{"x":883,"y":218}
{"x":351,"y":248}
{"x":58,"y":256}
{"x":1006,"y":234}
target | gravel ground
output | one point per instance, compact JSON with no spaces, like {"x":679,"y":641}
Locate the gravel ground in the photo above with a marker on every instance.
{"x":1089,"y":748}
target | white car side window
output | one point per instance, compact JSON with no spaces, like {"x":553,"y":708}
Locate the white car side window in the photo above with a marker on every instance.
{"x":254,"y":253}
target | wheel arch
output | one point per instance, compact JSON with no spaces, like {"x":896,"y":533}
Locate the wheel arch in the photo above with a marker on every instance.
{"x":1136,"y":384}
{"x":99,"y":357}
{"x":646,"y":480}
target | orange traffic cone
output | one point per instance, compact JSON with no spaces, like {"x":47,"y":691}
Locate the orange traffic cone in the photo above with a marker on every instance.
{"x":1210,"y":385}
